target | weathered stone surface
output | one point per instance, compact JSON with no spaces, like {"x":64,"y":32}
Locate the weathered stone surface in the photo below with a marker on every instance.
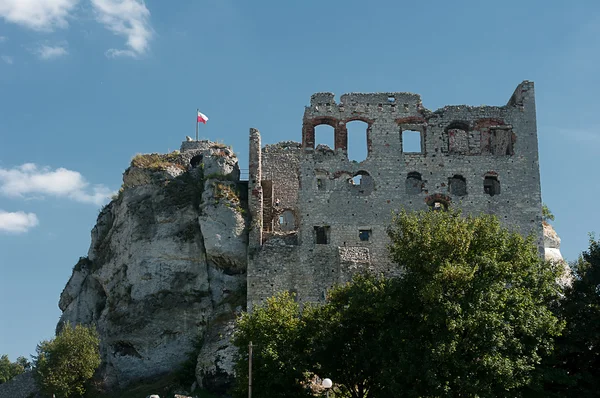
{"x":223,"y":226}
{"x":214,"y":370}
{"x":480,"y":159}
{"x":157,"y":276}
{"x":552,"y":253}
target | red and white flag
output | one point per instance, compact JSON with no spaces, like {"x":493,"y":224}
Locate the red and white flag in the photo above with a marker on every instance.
{"x":202,"y":118}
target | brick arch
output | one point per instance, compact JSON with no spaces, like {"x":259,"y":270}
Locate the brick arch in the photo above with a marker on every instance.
{"x":455,"y":138}
{"x":458,"y":124}
{"x":339,"y":131}
{"x":439,"y":198}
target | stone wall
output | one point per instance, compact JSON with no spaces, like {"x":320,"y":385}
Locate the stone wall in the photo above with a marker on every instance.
{"x":481,"y":159}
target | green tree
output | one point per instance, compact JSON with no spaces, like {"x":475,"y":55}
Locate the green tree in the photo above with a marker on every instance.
{"x":279,"y":360}
{"x":473,"y":307}
{"x":345,"y":336}
{"x":9,"y":369}
{"x":471,"y":315}
{"x":546,"y":213}
{"x":578,"y":353}
{"x":64,"y":364}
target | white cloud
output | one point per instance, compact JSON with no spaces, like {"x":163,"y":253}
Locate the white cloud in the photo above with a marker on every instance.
{"x":114,"y":53}
{"x":7,"y":58}
{"x":17,"y":222}
{"x":51,"y":52}
{"x":3,"y":39}
{"x":42,"y":15}
{"x":29,"y":180}
{"x":128,"y":18}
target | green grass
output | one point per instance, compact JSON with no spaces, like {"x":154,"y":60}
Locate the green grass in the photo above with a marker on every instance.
{"x":155,"y":161}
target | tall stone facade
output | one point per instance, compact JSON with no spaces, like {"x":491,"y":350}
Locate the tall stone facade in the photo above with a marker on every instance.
{"x":318,"y":217}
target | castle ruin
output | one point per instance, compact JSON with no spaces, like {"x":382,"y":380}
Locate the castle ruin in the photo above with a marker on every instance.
{"x":316,"y":217}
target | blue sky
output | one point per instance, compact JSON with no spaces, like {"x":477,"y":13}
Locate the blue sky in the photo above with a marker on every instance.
{"x":87,"y":84}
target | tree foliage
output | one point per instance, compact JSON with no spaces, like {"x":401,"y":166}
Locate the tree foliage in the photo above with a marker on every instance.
{"x":546,"y":213}
{"x":9,"y":369}
{"x":275,"y":330}
{"x":474,"y":306}
{"x":346,"y":338}
{"x":575,"y":369}
{"x":470,"y":316}
{"x":64,"y":364}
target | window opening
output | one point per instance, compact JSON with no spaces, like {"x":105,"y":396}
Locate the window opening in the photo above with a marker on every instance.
{"x":356,"y":180}
{"x":357,"y":140}
{"x":501,"y":141}
{"x":325,"y":135}
{"x":362,"y":183}
{"x":321,"y":235}
{"x":491,"y":185}
{"x":320,"y":184}
{"x":457,"y":185}
{"x":412,"y":141}
{"x":391,"y":99}
{"x":414,"y":183}
{"x":364,"y":235}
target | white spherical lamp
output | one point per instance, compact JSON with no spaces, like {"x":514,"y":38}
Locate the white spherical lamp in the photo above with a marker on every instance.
{"x":327,"y":383}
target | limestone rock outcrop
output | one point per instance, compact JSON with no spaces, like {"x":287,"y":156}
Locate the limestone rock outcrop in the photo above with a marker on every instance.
{"x":552,"y":252}
{"x":166,"y":267}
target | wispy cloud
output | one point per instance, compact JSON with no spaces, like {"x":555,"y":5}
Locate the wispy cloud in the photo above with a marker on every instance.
{"x":17,"y":222}
{"x":42,"y":15}
{"x":30,"y":180}
{"x":128,"y":18}
{"x":7,"y":59}
{"x":51,"y":52}
{"x":3,"y":39}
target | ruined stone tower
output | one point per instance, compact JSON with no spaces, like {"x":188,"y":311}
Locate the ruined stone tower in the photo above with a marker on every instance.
{"x":318,"y":217}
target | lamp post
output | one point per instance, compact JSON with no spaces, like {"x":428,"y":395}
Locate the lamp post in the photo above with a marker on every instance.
{"x":327,"y":384}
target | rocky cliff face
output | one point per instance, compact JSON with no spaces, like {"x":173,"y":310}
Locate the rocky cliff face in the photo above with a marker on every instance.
{"x":166,"y":268}
{"x":552,"y":253}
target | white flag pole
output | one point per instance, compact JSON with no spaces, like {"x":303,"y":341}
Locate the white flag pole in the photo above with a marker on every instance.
{"x":197,"y":110}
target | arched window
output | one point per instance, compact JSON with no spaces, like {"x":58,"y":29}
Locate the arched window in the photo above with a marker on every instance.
{"x":358,"y":132}
{"x":414,"y":183}
{"x":491,"y":185}
{"x":362,"y":183}
{"x":438,"y":202}
{"x":457,"y":136}
{"x":325,"y":135}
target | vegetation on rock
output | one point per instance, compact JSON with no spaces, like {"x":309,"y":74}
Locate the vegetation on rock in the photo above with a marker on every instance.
{"x":156,"y":161}
{"x":547,"y":214}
